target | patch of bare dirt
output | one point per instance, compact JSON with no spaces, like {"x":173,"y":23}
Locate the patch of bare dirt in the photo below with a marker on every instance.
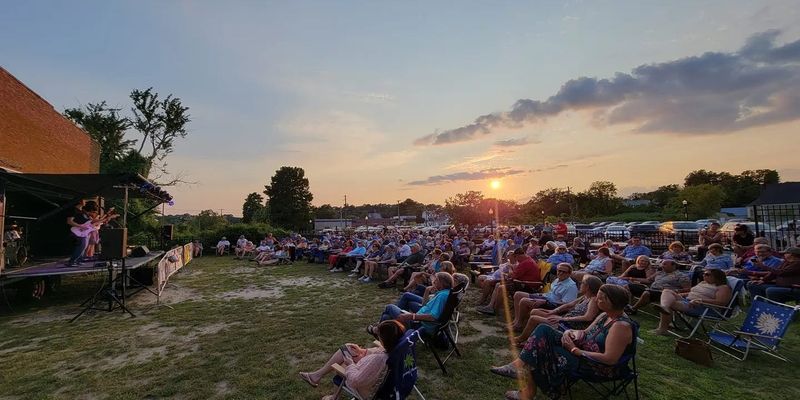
{"x":250,"y":293}
{"x":53,"y":314}
{"x":172,"y":294}
{"x":244,"y":270}
{"x":484,"y":331}
{"x":223,"y":388}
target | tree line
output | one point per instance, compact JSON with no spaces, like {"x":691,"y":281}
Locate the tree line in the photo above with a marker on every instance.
{"x":288,"y":202}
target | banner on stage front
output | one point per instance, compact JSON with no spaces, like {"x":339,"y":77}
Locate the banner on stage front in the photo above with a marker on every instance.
{"x":172,"y":261}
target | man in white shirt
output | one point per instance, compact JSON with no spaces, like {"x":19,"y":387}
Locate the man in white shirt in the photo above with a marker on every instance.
{"x":222,"y":245}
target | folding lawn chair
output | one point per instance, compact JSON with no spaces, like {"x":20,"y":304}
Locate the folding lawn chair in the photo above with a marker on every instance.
{"x":713,"y":315}
{"x":763,"y":329}
{"x":604,"y":386}
{"x":443,"y":328}
{"x":401,"y":375}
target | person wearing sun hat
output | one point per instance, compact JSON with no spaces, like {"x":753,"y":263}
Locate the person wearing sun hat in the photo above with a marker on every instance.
{"x":782,"y":284}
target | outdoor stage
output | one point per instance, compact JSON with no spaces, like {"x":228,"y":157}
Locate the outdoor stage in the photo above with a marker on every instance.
{"x":58,"y":268}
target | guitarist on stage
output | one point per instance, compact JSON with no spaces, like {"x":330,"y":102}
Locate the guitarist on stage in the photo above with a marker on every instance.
{"x":79,"y":220}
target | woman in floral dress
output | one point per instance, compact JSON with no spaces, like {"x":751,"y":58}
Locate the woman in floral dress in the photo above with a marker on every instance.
{"x":549,"y":356}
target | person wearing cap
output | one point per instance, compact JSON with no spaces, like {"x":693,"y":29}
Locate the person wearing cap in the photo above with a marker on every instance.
{"x":222,"y":246}
{"x":561,"y":256}
{"x":758,"y":265}
{"x":783,"y":283}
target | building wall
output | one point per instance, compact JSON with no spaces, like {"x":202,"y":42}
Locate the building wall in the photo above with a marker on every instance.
{"x":36,"y":138}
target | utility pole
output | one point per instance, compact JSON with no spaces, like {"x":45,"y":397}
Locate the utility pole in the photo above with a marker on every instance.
{"x":569,"y":202}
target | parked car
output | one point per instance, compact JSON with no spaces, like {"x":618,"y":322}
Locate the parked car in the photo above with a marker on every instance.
{"x":764,"y":228}
{"x":644,"y":229}
{"x":687,"y":232}
{"x":597,"y":232}
{"x":617,"y":232}
{"x":705,"y":223}
{"x":583,"y":228}
{"x":651,"y":223}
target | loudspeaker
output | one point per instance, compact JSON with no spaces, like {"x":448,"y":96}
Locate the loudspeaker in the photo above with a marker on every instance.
{"x":166,"y":232}
{"x":115,"y":242}
{"x":139,"y":251}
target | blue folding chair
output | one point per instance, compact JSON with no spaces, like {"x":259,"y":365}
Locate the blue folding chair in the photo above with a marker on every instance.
{"x":762,"y":330}
{"x":401,"y":376}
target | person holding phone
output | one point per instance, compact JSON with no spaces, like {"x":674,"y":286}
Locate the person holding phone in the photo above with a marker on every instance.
{"x":363,"y":367}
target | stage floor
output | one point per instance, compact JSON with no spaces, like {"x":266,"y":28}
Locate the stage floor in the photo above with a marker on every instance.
{"x":60,"y":268}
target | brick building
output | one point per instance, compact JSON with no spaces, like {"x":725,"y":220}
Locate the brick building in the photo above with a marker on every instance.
{"x":36,"y":138}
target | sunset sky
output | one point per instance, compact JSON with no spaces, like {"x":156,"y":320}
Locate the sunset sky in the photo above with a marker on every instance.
{"x":384,"y":101}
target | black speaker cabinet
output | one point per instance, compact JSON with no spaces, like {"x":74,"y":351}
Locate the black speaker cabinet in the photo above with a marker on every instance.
{"x":115,"y":242}
{"x":139,"y":251}
{"x":167,"y":231}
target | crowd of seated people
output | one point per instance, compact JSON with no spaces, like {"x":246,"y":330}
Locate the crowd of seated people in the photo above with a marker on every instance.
{"x":582,"y":309}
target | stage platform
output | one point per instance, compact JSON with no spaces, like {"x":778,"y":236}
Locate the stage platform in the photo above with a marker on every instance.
{"x":55,"y":268}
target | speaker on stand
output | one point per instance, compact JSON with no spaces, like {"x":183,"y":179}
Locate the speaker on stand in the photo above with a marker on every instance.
{"x":115,"y":243}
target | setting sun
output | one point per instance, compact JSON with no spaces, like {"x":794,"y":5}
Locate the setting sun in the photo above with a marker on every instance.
{"x":495,"y":184}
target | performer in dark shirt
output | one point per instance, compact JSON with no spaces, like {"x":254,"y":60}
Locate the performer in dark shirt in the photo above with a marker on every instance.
{"x":78,"y":220}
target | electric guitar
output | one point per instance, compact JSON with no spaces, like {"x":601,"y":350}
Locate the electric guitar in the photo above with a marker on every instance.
{"x":83,"y":230}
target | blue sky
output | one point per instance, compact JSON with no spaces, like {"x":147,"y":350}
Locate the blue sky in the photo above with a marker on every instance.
{"x":345,"y":89}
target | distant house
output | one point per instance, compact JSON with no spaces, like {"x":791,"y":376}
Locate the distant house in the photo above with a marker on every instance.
{"x":636,"y":203}
{"x":331,"y":223}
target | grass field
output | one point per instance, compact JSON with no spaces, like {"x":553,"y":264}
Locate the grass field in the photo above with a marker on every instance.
{"x":243,"y":332}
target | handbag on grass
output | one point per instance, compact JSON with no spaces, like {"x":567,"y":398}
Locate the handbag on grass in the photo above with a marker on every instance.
{"x":694,"y":350}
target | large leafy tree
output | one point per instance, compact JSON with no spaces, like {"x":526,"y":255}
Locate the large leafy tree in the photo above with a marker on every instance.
{"x":466,"y":208}
{"x":326,"y":211}
{"x":252,"y":204}
{"x":158,"y":123}
{"x":703,"y":201}
{"x":739,"y":190}
{"x":600,"y":199}
{"x":289,"y":198}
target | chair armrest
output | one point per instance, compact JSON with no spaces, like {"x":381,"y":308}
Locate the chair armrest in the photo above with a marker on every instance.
{"x":339,"y":369}
{"x":757,"y":335}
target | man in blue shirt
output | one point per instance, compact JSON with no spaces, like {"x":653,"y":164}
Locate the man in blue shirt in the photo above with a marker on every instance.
{"x":562,"y":290}
{"x":560,"y":256}
{"x":428,"y":313}
{"x":353,"y":255}
{"x":631,"y":251}
{"x":760,"y":264}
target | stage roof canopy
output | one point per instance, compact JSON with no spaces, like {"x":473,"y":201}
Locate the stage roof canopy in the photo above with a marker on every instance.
{"x":110,"y":186}
{"x":68,"y":189}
